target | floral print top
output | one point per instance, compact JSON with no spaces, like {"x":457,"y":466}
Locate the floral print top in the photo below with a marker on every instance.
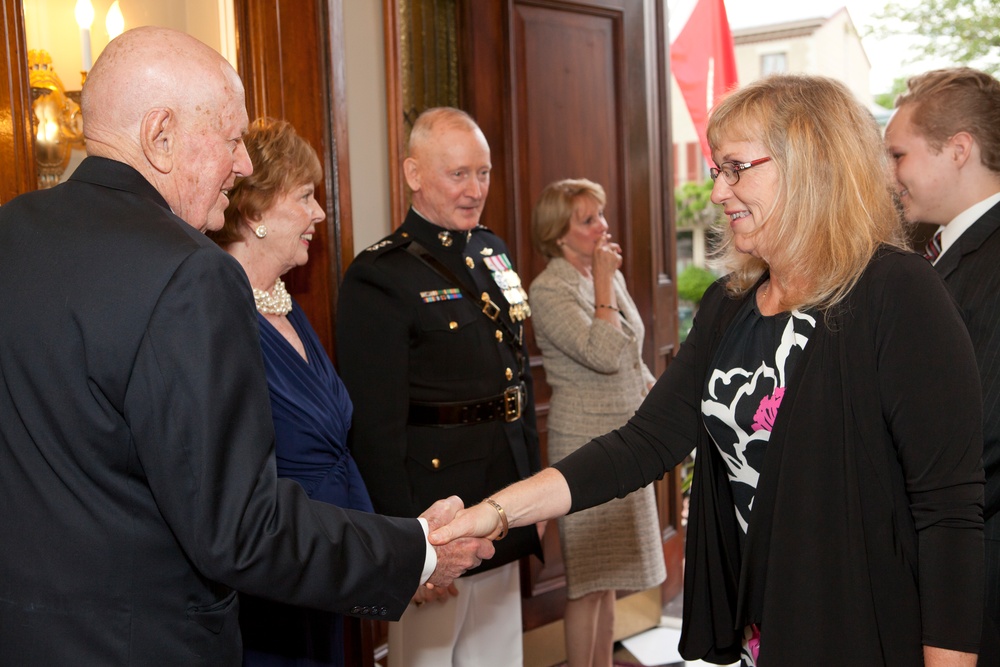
{"x":741,"y":401}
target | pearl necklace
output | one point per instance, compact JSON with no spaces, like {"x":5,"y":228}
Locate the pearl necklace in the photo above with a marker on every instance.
{"x":276,"y":302}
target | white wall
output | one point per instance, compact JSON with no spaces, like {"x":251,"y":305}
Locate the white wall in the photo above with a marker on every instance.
{"x":367,"y":124}
{"x":840,"y":55}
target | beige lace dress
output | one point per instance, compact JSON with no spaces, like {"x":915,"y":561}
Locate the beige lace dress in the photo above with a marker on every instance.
{"x":598,"y":380}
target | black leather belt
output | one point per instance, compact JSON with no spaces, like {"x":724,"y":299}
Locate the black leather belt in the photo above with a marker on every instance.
{"x":506,"y":406}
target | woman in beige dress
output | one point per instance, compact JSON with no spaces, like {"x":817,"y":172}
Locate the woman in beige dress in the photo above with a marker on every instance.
{"x":591,"y":338}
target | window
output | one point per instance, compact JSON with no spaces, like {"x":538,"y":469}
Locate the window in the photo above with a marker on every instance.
{"x":773,"y":63}
{"x":694,"y":161}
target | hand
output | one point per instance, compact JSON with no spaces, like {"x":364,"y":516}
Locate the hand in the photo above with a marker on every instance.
{"x":480,"y":520}
{"x":454,"y":558}
{"x":437,"y":594}
{"x":442,"y":512}
{"x":607,"y":258}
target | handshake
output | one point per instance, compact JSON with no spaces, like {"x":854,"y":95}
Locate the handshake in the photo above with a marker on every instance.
{"x":462,"y":538}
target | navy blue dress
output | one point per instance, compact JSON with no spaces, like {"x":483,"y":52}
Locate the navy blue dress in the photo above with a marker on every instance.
{"x":312,"y":414}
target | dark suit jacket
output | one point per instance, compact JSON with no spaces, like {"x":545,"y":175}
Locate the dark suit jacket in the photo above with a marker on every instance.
{"x":865,"y":539}
{"x":399,"y":343}
{"x":971,"y":269}
{"x":137,"y":473}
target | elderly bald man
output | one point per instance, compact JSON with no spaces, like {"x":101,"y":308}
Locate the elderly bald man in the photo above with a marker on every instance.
{"x":136,"y":447}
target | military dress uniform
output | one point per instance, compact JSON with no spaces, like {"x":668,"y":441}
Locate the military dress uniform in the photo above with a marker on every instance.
{"x":431,"y":348}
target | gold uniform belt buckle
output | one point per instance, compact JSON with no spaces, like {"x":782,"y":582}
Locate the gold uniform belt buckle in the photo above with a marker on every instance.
{"x":512,"y":399}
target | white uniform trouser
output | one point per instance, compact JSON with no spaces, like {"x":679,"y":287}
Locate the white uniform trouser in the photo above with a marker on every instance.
{"x":481,"y":627}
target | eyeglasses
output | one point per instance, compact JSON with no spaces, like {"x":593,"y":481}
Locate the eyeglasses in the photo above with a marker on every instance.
{"x":731,"y":170}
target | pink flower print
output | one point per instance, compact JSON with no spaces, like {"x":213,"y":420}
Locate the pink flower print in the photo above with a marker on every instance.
{"x":754,"y":642}
{"x":763,"y":419}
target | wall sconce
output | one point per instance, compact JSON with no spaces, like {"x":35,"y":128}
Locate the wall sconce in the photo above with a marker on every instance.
{"x":56,"y":122}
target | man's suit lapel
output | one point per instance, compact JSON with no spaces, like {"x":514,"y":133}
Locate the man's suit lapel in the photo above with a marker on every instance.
{"x":968,"y":242}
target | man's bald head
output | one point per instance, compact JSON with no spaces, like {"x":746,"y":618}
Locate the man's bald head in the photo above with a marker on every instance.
{"x":435,"y":121}
{"x":173,"y":108}
{"x":448,"y":169}
{"x":143,"y":69}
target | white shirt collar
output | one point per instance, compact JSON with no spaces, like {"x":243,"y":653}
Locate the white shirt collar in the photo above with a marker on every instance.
{"x":951,"y":232}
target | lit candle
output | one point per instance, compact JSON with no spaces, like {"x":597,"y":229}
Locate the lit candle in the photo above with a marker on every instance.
{"x":114,"y":22}
{"x":85,"y":18}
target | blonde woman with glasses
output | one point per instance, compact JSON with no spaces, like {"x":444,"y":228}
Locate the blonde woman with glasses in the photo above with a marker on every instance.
{"x":836,"y":511}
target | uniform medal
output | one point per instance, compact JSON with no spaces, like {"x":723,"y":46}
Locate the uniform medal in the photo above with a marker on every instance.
{"x":509,"y":283}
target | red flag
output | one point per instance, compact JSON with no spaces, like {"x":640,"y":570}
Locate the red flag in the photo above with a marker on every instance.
{"x":702,"y":60}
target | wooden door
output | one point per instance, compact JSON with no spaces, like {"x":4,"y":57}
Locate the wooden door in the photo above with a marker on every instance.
{"x":575,"y":88}
{"x":17,"y":159}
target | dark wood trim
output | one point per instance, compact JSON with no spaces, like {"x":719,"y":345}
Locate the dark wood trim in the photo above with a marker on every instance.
{"x":298,"y":75}
{"x":665,"y":159}
{"x":670,"y":497}
{"x":336,"y":140}
{"x":339,"y":210}
{"x":17,"y":157}
{"x":398,"y":193}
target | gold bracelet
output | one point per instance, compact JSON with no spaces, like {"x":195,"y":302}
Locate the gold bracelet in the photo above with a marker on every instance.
{"x":503,"y":518}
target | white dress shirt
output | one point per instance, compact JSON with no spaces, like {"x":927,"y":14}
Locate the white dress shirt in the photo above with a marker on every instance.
{"x":951,"y":232}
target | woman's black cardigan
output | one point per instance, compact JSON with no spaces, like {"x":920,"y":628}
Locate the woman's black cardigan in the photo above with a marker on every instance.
{"x":865,"y":540}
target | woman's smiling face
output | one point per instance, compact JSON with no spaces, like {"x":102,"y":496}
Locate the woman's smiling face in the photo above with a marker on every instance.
{"x":291,"y":222}
{"x":750,"y":201}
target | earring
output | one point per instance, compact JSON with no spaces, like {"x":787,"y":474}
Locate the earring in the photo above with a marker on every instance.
{"x":261,"y":231}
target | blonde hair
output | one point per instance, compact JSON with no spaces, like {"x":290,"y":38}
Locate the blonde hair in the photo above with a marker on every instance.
{"x":834,"y":203}
{"x":554,"y":210}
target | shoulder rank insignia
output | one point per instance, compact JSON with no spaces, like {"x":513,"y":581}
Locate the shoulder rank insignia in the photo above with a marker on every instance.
{"x":430,"y":296}
{"x":509,"y":282}
{"x":381,"y":244}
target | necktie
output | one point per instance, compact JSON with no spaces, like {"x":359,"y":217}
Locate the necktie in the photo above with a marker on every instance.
{"x":933,"y":248}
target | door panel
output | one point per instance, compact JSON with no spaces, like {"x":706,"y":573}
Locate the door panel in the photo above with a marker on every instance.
{"x":573,"y":89}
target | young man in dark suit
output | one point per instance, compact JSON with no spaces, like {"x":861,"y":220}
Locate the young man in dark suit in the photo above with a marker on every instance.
{"x":136,"y":448}
{"x":944,"y":139}
{"x":431,"y":348}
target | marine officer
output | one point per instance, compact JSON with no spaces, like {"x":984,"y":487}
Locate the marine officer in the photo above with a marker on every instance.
{"x":431,"y":348}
